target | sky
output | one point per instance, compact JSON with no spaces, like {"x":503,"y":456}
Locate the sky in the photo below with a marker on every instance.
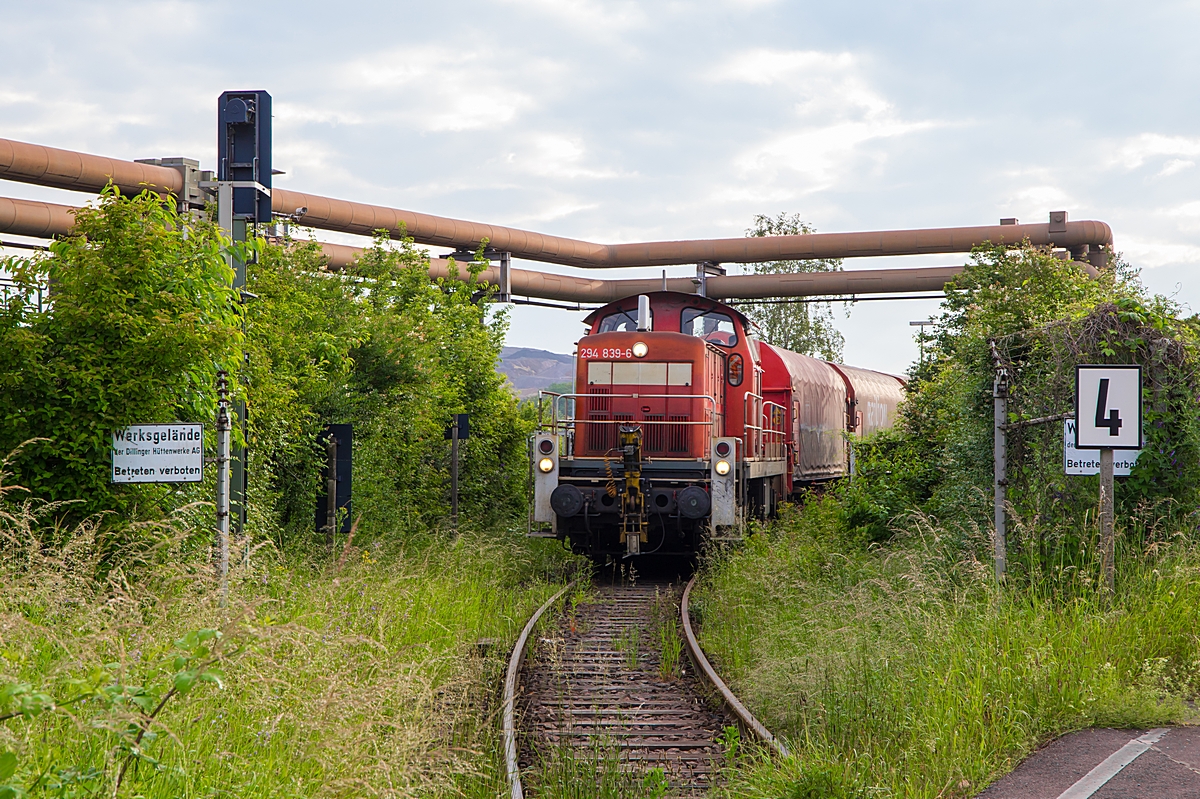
{"x":621,"y":121}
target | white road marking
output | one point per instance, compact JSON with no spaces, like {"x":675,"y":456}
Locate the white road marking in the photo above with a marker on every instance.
{"x":1095,"y":779}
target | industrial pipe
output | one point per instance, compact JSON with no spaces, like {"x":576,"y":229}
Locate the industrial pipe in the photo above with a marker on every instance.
{"x":29,"y":218}
{"x":32,"y":218}
{"x":47,"y":166}
{"x":569,"y":288}
{"x":350,"y":217}
{"x":67,"y":169}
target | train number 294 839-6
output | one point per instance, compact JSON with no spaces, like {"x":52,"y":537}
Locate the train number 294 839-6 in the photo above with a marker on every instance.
{"x":588,"y":353}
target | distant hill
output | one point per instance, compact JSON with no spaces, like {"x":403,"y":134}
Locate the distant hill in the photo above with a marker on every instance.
{"x":529,"y":370}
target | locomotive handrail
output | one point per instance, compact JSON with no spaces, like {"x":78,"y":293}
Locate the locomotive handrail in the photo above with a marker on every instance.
{"x":576,"y":396}
{"x":570,"y":423}
{"x":763,"y":440}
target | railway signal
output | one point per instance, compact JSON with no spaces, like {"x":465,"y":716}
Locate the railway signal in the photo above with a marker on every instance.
{"x":243,"y":200}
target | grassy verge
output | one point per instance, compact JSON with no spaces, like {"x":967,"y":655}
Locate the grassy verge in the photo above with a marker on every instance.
{"x":364,"y":679}
{"x":904,"y":672}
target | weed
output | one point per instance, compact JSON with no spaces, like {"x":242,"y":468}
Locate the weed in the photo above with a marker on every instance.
{"x":367,"y":681}
{"x":670,"y":647}
{"x":909,"y":664}
{"x":629,"y":642}
{"x":595,"y":772}
{"x":664,"y":629}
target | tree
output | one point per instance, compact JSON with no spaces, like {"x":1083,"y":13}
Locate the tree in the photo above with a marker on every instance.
{"x":804,"y":327}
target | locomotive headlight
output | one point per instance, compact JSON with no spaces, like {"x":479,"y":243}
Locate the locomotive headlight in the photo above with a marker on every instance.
{"x":546,"y":465}
{"x":640,"y":349}
{"x":722,"y":468}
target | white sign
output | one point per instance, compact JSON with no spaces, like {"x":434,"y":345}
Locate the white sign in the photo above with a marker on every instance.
{"x":158,"y":453}
{"x":1108,"y":407}
{"x":1087,"y":461}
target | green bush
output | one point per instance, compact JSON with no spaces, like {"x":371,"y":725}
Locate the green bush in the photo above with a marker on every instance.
{"x":1036,"y":316}
{"x":141,"y":316}
{"x":383,"y":347}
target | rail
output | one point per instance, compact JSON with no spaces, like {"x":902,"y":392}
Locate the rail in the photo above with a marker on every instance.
{"x":705,"y":668}
{"x":511,"y":764}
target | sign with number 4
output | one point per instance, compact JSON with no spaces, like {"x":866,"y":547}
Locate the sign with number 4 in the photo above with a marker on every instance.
{"x":1108,"y":406}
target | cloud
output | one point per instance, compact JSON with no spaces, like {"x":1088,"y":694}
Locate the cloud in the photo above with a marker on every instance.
{"x":1173,"y":166}
{"x":1150,"y":253}
{"x":556,"y":155}
{"x":590,"y":17}
{"x":435,"y":88}
{"x":764,"y":67}
{"x":554,"y":210}
{"x":1188,"y":216}
{"x":834,"y":113}
{"x":1137,"y":150}
{"x":1032,"y":203}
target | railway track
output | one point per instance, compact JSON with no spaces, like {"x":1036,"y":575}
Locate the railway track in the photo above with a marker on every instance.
{"x":611,"y":680}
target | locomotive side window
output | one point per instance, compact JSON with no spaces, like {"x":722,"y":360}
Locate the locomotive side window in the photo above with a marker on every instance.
{"x":622,"y":322}
{"x":736,"y":369}
{"x":710,"y":326}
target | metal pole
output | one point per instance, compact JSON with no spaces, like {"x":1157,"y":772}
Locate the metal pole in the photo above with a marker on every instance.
{"x":223,"y":429}
{"x":454,"y":474}
{"x":1107,"y":537}
{"x":1000,"y":467}
{"x":236,"y":229}
{"x":331,"y":491}
{"x":505,"y":277}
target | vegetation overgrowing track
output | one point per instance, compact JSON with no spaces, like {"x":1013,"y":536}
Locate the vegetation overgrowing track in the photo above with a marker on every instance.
{"x":608,"y":682}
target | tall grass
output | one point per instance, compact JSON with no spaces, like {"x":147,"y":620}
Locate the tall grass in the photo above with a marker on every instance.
{"x":372,"y":679}
{"x":904,"y":671}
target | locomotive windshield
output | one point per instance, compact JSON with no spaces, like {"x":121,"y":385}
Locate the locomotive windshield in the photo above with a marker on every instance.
{"x":621,"y":322}
{"x":710,"y":326}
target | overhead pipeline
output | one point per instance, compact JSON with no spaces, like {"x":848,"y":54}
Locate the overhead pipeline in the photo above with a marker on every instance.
{"x":570,"y":288}
{"x":45,"y":220}
{"x":351,"y":217}
{"x":67,"y":169}
{"x":48,"y":166}
{"x":38,"y":219}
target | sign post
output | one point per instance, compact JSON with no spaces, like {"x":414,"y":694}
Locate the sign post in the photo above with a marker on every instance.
{"x":1108,"y":416}
{"x":333,"y":511}
{"x":460,"y":428}
{"x":223,"y":481}
{"x":1000,"y":386}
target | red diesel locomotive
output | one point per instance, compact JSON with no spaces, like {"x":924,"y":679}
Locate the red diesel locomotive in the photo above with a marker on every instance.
{"x":681,"y":426}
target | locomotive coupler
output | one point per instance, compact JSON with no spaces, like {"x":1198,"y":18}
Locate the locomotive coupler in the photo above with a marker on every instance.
{"x":633,"y":505}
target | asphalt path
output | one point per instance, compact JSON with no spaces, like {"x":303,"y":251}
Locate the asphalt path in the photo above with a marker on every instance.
{"x":1109,"y":764}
